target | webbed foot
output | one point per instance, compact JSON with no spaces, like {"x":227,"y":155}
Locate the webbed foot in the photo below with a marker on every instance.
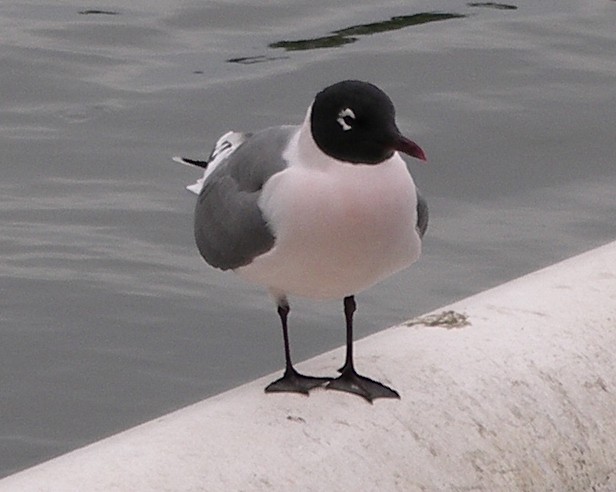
{"x":294,"y":382}
{"x":351,"y":382}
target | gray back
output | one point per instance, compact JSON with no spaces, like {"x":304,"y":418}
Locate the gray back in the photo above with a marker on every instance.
{"x":230,"y":229}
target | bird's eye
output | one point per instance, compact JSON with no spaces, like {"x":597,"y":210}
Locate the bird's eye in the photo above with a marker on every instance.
{"x":346,"y":118}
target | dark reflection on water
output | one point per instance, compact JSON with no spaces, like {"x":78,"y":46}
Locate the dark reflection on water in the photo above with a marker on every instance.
{"x":250,"y":60}
{"x":348,"y":34}
{"x":493,"y":5}
{"x":98,"y":12}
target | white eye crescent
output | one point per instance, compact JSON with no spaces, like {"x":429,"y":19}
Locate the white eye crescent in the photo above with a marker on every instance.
{"x":345,"y":113}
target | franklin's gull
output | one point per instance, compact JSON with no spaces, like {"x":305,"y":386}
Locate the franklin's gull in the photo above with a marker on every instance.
{"x":321,"y":210}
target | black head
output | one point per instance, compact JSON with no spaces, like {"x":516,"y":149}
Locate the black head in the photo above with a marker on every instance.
{"x":354,"y":121}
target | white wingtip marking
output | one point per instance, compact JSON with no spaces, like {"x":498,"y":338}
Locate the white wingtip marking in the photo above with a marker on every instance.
{"x":196,"y":188}
{"x":225,"y":146}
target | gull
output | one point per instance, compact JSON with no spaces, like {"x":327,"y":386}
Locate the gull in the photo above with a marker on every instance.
{"x":321,"y":210}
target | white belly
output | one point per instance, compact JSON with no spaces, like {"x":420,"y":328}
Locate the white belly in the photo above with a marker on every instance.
{"x":337,"y":232}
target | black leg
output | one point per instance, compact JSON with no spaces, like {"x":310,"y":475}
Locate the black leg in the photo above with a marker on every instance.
{"x":292,"y":381}
{"x":349,"y":380}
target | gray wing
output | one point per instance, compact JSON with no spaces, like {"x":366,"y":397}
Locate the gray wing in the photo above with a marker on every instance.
{"x":422,"y":215}
{"x":230,"y":229}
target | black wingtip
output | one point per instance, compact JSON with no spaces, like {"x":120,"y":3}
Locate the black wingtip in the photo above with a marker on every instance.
{"x":191,"y":162}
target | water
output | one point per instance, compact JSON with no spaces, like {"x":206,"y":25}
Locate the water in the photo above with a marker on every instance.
{"x":108,"y":316}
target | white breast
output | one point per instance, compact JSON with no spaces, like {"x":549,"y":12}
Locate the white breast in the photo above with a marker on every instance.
{"x":339,"y":227}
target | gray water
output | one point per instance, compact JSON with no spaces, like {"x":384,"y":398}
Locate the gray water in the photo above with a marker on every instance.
{"x":109,"y":317}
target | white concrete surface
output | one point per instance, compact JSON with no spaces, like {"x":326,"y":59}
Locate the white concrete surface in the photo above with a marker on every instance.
{"x":523,"y":397}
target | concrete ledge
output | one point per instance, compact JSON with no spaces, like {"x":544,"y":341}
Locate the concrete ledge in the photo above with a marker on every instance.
{"x":522,"y":398}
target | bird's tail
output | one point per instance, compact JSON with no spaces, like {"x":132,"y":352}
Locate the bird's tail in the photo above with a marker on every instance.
{"x":225,"y":146}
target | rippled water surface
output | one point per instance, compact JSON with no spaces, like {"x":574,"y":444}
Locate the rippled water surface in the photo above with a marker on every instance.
{"x":108,"y":316}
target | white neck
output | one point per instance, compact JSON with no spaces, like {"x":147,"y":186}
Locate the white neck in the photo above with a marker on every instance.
{"x":304,"y":152}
